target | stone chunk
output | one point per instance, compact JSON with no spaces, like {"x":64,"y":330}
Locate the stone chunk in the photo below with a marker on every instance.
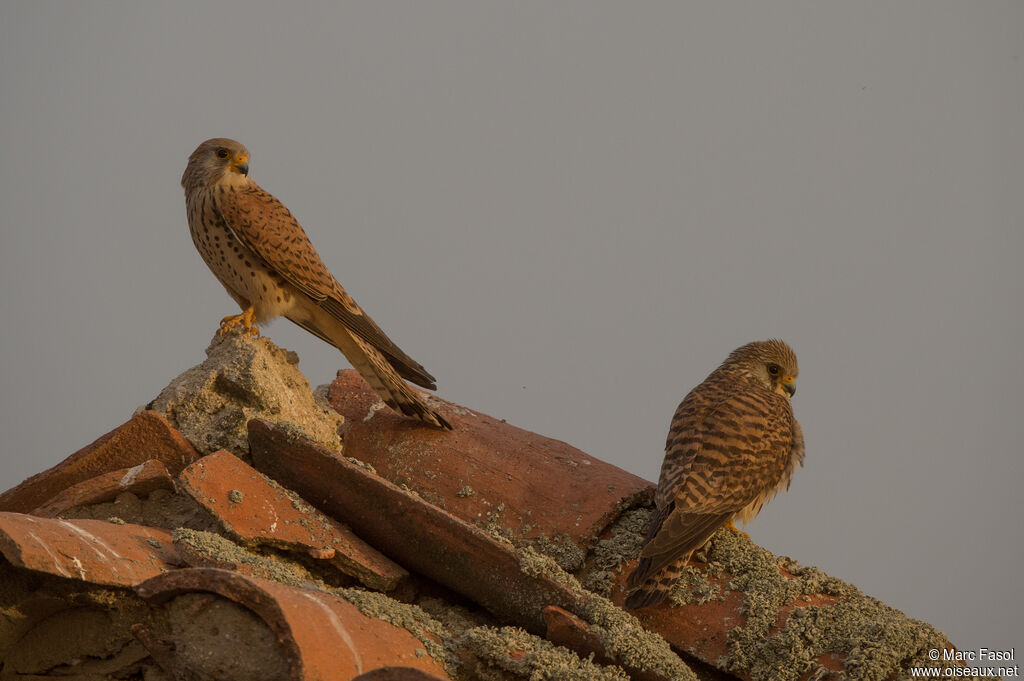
{"x":255,"y":510}
{"x":243,"y":378}
{"x":88,"y":550}
{"x":146,"y":436}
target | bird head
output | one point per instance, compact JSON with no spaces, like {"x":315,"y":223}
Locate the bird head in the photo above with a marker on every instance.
{"x":216,"y":161}
{"x":772,"y":364}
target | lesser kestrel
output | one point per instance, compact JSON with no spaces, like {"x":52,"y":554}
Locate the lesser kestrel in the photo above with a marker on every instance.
{"x":264,"y":259}
{"x":733,"y":445}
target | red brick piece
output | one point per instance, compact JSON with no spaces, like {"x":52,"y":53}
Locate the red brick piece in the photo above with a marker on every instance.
{"x":139,"y":480}
{"x":325,"y":637}
{"x":486,"y":470}
{"x":421,"y":536}
{"x":89,"y":550}
{"x":147,"y":435}
{"x":255,"y":510}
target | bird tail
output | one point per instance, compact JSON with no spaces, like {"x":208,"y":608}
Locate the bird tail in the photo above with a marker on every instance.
{"x":375,"y":370}
{"x":651,"y":590}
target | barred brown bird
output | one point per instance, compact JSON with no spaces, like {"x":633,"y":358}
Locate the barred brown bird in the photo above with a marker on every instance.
{"x":733,"y":445}
{"x":264,"y":259}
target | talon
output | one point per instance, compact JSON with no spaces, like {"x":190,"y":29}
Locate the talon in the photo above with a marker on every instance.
{"x":732,"y":526}
{"x":245,"y":320}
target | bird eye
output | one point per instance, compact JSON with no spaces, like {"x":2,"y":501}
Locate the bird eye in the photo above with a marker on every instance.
{"x":222,"y":153}
{"x":773,"y":369}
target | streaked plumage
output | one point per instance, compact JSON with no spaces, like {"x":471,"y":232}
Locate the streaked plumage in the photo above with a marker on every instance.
{"x":262,"y":256}
{"x":733,"y":444}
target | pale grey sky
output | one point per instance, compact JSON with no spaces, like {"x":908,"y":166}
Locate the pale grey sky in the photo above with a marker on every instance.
{"x":569,"y":213}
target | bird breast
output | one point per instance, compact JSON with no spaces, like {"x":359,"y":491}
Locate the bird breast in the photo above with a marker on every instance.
{"x":241,"y":271}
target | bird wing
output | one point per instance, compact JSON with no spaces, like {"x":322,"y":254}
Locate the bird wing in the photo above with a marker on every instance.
{"x":268,"y":229}
{"x":673,"y":534}
{"x":726,"y":445}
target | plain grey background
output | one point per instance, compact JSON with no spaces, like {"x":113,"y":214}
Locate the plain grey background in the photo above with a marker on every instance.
{"x":569,"y":212}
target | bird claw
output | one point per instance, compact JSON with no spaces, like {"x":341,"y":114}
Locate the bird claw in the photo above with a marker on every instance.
{"x":732,"y":526}
{"x":244,"y":320}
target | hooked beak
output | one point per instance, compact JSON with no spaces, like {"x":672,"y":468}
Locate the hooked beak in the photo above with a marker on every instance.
{"x":241,"y":165}
{"x":789,"y":385}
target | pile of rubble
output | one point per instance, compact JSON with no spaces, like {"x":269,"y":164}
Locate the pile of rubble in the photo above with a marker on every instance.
{"x":242,"y":526}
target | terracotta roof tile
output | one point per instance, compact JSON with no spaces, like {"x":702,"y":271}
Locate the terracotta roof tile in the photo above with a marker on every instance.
{"x":146,"y":436}
{"x":89,"y":550}
{"x":488,"y":472}
{"x":396,"y":674}
{"x":139,"y":480}
{"x":255,"y":510}
{"x":418,"y":534}
{"x":325,"y":637}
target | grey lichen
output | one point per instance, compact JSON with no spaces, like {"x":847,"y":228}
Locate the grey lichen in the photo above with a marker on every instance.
{"x":872,"y":639}
{"x":513,"y":650}
{"x":623,"y":637}
{"x":693,"y":586}
{"x":362,"y":464}
{"x":562,"y":549}
{"x":431,"y":633}
{"x":244,"y":378}
{"x":626,"y":536}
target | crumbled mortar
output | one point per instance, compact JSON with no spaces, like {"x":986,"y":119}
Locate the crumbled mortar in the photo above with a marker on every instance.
{"x":244,"y":378}
{"x":50,"y":625}
{"x":200,"y":622}
{"x":221,"y":549}
{"x":161,"y":508}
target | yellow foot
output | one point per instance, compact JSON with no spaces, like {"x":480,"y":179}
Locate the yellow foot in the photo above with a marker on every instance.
{"x":735,"y":529}
{"x":244,"y":320}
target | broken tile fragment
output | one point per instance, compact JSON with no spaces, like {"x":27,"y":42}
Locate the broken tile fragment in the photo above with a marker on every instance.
{"x":89,"y":550}
{"x":418,"y":534}
{"x":396,"y":674}
{"x":255,"y":510}
{"x":323,"y":636}
{"x":139,"y":480}
{"x":490,"y":473}
{"x":146,"y":436}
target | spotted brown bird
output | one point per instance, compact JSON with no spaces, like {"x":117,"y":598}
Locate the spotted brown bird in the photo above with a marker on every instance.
{"x":262,"y":256}
{"x":733,"y":445}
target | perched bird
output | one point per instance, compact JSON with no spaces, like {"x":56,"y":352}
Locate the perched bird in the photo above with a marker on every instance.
{"x":733,"y":445}
{"x":264,"y":259}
